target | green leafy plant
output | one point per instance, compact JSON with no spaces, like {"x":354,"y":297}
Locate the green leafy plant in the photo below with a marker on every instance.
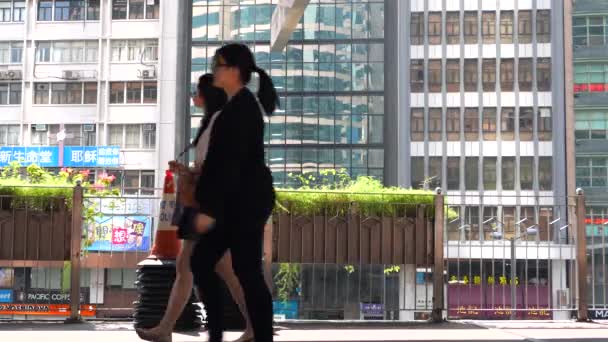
{"x":392,"y":269}
{"x":38,"y":189}
{"x":287,"y":280}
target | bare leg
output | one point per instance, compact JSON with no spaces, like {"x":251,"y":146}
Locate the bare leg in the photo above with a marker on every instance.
{"x":180,"y":293}
{"x":226,"y":273}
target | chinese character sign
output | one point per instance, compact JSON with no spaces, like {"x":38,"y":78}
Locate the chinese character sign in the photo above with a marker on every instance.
{"x":91,"y":156}
{"x":45,"y":156}
{"x":120,"y":233}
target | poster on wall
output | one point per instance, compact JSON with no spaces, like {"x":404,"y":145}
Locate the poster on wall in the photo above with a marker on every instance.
{"x":120,"y":234}
{"x":6,"y":277}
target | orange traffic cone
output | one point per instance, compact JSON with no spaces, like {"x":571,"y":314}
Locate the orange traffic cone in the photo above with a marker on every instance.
{"x":166,"y":245}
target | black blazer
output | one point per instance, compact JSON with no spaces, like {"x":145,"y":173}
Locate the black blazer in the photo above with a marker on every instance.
{"x":234,"y":179}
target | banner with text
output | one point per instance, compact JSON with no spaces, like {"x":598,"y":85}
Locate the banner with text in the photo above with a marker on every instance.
{"x":120,"y":233}
{"x":73,"y":156}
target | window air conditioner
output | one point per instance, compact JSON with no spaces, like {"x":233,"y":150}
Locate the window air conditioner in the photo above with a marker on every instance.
{"x":88,"y":127}
{"x":147,"y":74}
{"x":40,"y":128}
{"x":71,"y":75}
{"x":42,"y":86}
{"x":149,"y":127}
{"x":10,"y":75}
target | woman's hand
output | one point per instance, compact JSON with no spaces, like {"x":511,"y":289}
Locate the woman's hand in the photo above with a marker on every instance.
{"x":203,"y":223}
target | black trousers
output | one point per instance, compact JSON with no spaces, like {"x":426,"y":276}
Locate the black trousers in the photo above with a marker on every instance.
{"x":243,"y":235}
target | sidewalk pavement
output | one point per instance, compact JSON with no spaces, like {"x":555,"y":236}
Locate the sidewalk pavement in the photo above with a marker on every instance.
{"x":473,"y":331}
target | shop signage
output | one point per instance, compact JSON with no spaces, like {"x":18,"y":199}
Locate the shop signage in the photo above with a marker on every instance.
{"x":285,"y":310}
{"x":370,"y":310}
{"x":6,"y":296}
{"x":40,"y":296}
{"x":45,"y":309}
{"x":120,"y":234}
{"x":73,"y":156}
{"x":598,"y":314}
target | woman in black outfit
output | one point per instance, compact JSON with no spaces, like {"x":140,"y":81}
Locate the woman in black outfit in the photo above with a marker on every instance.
{"x":234,"y":193}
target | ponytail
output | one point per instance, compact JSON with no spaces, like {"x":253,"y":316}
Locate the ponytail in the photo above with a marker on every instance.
{"x":267,"y":94}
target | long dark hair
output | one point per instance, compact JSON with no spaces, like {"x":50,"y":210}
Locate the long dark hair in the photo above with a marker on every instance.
{"x":239,"y":56}
{"x":215,"y":98}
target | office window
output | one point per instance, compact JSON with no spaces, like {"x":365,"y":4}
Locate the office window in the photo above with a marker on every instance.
{"x":417,"y":124}
{"x":452,"y":27}
{"x":488,"y":74}
{"x":545,"y":124}
{"x":67,"y":51}
{"x":591,"y":124}
{"x":138,"y":136}
{"x":45,"y":10}
{"x":543,"y":74}
{"x":471,"y":178}
{"x":417,"y":75}
{"x":11,"y":52}
{"x":9,"y":135}
{"x":90,"y":93}
{"x":470,"y":27}
{"x":507,"y":123}
{"x":434,"y":72}
{"x":150,"y":92}
{"x":136,"y":9}
{"x":524,"y":24}
{"x":434,"y":179}
{"x":18,"y":10}
{"x":489,"y":173}
{"x":417,"y":172}
{"x":453,"y":173}
{"x":506,"y":74}
{"x":506,"y":27}
{"x":133,"y":92}
{"x":545,"y":173}
{"x":119,"y":9}
{"x":471,"y":124}
{"x":590,"y":77}
{"x":525,"y":74}
{"x":93,"y":9}
{"x":488,"y":27}
{"x":526,"y":123}
{"x":41,"y":93}
{"x":489,"y":124}
{"x":453,"y":124}
{"x":417,"y":28}
{"x":117,"y":92}
{"x":453,"y":75}
{"x":435,"y":124}
{"x":153,"y":9}
{"x":434,"y":28}
{"x":10,"y":93}
{"x":543,"y":26}
{"x":66,"y":93}
{"x":508,"y":173}
{"x":136,"y":182}
{"x":526,"y":173}
{"x":70,"y":10}
{"x":470,"y":75}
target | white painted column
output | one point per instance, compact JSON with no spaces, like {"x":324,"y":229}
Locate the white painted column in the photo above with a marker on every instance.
{"x":560,"y":294}
{"x":407,"y":293}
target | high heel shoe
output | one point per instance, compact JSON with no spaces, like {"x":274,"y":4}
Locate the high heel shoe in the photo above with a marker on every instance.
{"x":154,"y":336}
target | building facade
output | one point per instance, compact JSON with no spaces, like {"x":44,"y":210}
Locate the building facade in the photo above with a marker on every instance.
{"x":88,"y":73}
{"x":330,"y":79}
{"x":590,"y":64}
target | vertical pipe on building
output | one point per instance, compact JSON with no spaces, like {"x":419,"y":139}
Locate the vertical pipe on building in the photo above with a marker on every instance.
{"x":182,"y":86}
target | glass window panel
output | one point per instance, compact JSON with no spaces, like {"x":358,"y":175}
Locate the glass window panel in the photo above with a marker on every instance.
{"x":471,"y":124}
{"x":453,"y":173}
{"x":506,"y":27}
{"x":136,"y":9}
{"x":470,"y":27}
{"x":417,"y":172}
{"x":507,"y":123}
{"x":134,"y":92}
{"x":526,"y":123}
{"x":488,"y":27}
{"x":417,"y":75}
{"x":117,"y":92}
{"x":507,"y":74}
{"x":417,"y":28}
{"x":525,"y":74}
{"x":435,"y":124}
{"x":434,"y":72}
{"x":452,"y":27}
{"x":489,"y":173}
{"x":543,"y":74}
{"x":524,"y":23}
{"x":453,"y":124}
{"x":434,"y":27}
{"x":41,"y":93}
{"x":489,"y":123}
{"x":435,"y":171}
{"x":417,"y":124}
{"x":471,"y":173}
{"x":150,"y":92}
{"x":508,"y":173}
{"x":545,"y":173}
{"x":453,"y":75}
{"x":470,"y":75}
{"x":526,"y":173}
{"x":543,"y":26}
{"x":115,"y":135}
{"x":132,"y":136}
{"x":489,"y":74}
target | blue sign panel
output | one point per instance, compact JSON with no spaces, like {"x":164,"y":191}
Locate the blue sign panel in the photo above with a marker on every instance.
{"x":45,"y":156}
{"x":6,"y":296}
{"x":289,"y":309}
{"x":91,"y":156}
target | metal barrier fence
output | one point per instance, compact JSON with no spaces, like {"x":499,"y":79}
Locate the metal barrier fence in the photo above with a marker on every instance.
{"x":485,"y":257}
